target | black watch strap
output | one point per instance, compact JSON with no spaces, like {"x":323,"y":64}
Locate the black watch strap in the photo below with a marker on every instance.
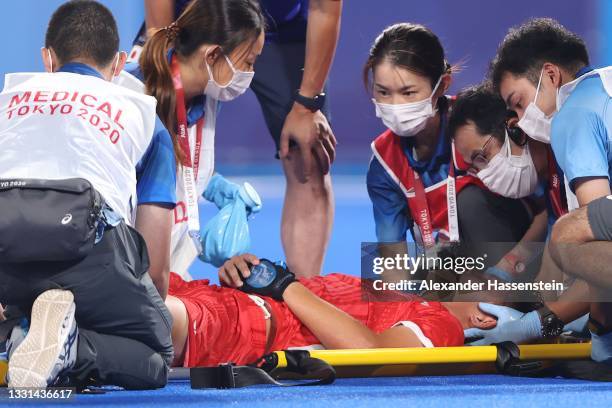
{"x":314,"y":104}
{"x":552,"y":326}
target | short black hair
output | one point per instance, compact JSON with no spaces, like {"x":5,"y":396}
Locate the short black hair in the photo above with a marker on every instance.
{"x":85,"y":30}
{"x":526,"y":48}
{"x":482,"y":106}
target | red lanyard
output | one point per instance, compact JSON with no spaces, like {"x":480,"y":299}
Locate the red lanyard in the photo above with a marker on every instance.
{"x":554,"y":186}
{"x":181,"y":117}
{"x":419,"y":208}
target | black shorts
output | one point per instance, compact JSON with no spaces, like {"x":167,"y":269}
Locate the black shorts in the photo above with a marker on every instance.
{"x":600,"y":218}
{"x":278,"y":74}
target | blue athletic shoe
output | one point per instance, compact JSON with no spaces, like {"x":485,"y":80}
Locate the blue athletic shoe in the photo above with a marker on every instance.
{"x":49,"y":349}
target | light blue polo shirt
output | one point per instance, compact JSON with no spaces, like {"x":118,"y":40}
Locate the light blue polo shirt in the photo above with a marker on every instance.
{"x":581,"y":135}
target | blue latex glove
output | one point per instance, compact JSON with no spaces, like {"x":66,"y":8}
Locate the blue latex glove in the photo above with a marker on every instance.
{"x":601,"y":348}
{"x":227,"y":233}
{"x":578,"y":325}
{"x":512,"y":325}
{"x":223,"y":192}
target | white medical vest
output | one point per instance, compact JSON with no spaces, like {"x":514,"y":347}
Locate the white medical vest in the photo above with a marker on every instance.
{"x":64,"y":125}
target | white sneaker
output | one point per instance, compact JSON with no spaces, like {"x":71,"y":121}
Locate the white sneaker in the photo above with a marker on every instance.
{"x":18,"y":334}
{"x":49,"y":348}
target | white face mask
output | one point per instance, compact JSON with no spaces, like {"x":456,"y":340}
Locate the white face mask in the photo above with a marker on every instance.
{"x":508,"y":175}
{"x":534,"y":122}
{"x":407,"y":119}
{"x":240,"y":82}
{"x":50,"y":60}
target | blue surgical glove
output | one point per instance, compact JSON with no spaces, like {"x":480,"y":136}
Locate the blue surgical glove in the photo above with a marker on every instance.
{"x":227,"y":233}
{"x":579,"y":325}
{"x":601,"y":348}
{"x":222,"y":192}
{"x":512,"y":325}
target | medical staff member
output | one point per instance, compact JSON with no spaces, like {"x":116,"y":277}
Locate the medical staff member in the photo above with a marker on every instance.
{"x":205,"y":57}
{"x":413,"y":179}
{"x":289,"y":82}
{"x":510,"y":164}
{"x":542,"y":71}
{"x":513,"y":165}
{"x":97,"y":317}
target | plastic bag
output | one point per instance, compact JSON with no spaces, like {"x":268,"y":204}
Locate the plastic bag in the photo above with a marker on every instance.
{"x":227,"y":233}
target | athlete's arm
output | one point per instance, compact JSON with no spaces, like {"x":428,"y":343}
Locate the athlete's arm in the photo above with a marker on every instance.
{"x":154,"y":223}
{"x":335,"y":329}
{"x":158,"y":13}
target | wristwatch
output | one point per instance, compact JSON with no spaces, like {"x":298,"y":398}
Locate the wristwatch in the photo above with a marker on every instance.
{"x":552,"y":326}
{"x":314,"y":104}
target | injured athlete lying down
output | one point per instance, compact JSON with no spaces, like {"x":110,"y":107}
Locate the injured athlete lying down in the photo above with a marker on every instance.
{"x":220,"y":324}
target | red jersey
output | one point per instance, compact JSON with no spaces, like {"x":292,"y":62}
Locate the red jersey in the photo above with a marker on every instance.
{"x":225,"y":325}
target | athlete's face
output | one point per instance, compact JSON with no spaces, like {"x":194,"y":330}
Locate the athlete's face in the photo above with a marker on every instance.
{"x":396,"y":85}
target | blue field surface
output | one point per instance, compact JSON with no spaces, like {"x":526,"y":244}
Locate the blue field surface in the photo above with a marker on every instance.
{"x":454,"y":391}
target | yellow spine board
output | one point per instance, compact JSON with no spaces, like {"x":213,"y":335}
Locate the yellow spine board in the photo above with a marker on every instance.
{"x":441,"y":355}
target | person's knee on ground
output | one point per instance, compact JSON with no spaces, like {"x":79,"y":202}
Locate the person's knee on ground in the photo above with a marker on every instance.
{"x":111,"y":360}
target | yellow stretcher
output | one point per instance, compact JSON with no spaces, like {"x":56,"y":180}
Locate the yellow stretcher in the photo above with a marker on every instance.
{"x":420,"y":361}
{"x":479,"y":354}
{"x":436,"y":361}
{"x":3,"y":370}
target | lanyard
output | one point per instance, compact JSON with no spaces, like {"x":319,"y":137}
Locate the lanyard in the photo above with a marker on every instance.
{"x":554,"y":186}
{"x":419,"y":207}
{"x":189,"y":168}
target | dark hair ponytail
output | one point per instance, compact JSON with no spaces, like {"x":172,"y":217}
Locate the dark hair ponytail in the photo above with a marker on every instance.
{"x":410,"y":46}
{"x":227,"y":23}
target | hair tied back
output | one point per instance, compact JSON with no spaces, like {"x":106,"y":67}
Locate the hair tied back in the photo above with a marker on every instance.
{"x":172,"y":31}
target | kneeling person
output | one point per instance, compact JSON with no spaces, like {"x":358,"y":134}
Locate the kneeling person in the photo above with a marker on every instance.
{"x":95,"y":316}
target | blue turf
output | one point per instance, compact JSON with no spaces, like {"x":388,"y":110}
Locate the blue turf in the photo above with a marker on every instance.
{"x":422,"y":392}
